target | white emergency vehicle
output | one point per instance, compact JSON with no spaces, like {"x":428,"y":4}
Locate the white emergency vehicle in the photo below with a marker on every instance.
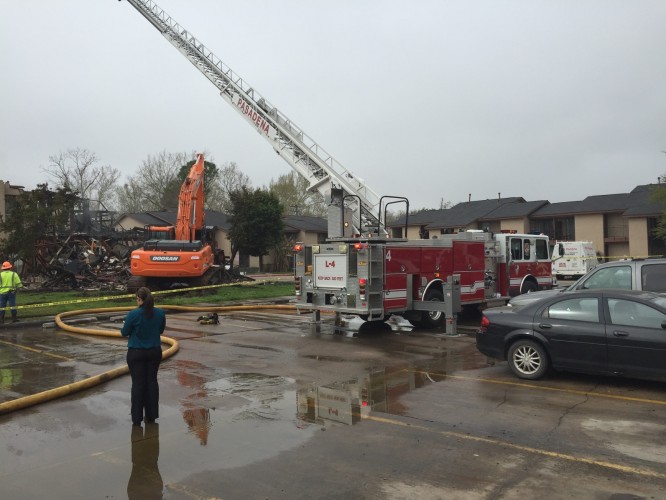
{"x":573,"y":259}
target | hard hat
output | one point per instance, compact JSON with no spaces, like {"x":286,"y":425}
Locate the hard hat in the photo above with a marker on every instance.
{"x":6,"y":265}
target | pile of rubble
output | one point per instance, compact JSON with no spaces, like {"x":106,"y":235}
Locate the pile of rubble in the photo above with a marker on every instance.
{"x":80,"y":261}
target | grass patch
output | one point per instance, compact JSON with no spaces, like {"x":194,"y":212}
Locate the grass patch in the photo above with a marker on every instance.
{"x":54,"y":303}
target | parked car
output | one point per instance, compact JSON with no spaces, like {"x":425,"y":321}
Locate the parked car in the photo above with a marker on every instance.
{"x":609,"y":332}
{"x":630,"y":274}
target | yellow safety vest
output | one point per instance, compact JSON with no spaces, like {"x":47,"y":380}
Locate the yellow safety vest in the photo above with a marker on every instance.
{"x":9,"y":282}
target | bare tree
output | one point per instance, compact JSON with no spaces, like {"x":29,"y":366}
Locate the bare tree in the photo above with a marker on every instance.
{"x":229,"y":180}
{"x":79,"y":170}
{"x":130,"y":196}
{"x":153,"y":186}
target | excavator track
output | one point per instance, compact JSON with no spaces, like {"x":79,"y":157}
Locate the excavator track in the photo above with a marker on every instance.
{"x":136,"y":282}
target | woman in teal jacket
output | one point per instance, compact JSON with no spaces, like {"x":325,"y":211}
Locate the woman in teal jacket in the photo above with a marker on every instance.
{"x":143,"y":326}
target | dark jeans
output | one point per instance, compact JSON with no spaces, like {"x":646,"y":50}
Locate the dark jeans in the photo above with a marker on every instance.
{"x":7,"y":298}
{"x":143,"y":365}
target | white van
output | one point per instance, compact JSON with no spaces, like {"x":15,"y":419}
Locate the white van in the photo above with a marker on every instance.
{"x":572,"y":259}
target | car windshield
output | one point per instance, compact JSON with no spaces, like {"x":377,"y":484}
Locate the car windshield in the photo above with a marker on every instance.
{"x":574,"y":285}
{"x":617,"y":277}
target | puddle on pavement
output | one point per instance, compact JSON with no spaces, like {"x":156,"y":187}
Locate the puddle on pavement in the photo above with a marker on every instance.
{"x":379,"y":390}
{"x":260,"y":400}
{"x":32,"y":361}
{"x":234,"y":397}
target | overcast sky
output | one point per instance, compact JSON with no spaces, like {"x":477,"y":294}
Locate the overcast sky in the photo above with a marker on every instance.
{"x":432,"y":100}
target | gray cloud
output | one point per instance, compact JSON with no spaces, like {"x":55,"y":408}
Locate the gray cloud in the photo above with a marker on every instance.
{"x":432,"y":99}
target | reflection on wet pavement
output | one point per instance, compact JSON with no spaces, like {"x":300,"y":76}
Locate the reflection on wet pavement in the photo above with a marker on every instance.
{"x":378,"y":390}
{"x":33,"y":360}
{"x":145,"y":481}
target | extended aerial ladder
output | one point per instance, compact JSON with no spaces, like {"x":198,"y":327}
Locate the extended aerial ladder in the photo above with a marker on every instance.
{"x":348,"y":196}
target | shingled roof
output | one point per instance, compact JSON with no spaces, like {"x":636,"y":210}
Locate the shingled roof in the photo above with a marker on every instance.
{"x":168,"y":218}
{"x":634,"y":204}
{"x":296,"y":223}
{"x":465,"y":213}
{"x":514,"y":210}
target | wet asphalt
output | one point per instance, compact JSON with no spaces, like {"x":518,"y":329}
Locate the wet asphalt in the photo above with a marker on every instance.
{"x":268,"y":405}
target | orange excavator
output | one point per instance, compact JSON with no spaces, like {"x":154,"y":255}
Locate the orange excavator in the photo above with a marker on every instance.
{"x":187,"y":253}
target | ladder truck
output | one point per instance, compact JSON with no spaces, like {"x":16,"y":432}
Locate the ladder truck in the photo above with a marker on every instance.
{"x":361,"y":270}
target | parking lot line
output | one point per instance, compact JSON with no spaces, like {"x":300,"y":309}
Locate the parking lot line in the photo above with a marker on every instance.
{"x":526,"y":449}
{"x":558,"y":389}
{"x":31,"y":349}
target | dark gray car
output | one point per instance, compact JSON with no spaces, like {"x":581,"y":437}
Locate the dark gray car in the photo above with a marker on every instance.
{"x":609,"y":332}
{"x":630,"y":274}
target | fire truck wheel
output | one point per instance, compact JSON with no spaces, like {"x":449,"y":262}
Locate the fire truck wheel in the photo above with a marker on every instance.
{"x":433,"y":319}
{"x":528,"y":287}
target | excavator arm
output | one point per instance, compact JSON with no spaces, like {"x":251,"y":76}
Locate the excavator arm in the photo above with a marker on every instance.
{"x":191,"y":202}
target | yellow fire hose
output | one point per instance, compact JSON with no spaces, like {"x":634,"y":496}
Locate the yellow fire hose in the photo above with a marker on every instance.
{"x":42,"y":397}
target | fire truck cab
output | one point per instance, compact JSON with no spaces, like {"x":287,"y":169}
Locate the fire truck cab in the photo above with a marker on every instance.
{"x":525,"y":262}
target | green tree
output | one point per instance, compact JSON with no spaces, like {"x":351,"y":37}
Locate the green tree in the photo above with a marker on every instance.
{"x":256,"y":223}
{"x":658,"y":195}
{"x":211,"y":177}
{"x":292,"y":191}
{"x":37,"y":214}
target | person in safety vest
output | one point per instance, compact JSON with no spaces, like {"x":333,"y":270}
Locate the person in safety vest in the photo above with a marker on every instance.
{"x":9,"y":283}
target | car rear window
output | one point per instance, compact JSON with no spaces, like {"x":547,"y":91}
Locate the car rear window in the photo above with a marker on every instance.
{"x":653,"y":277}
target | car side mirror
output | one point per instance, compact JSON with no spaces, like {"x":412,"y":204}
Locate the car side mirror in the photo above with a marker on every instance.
{"x":560,"y":249}
{"x":663,"y":325}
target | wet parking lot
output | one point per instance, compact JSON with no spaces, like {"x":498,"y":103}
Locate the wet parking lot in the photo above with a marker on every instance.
{"x":266,"y":405}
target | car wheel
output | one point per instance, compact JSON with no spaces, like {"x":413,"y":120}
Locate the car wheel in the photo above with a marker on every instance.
{"x":528,"y":287}
{"x":527,"y":359}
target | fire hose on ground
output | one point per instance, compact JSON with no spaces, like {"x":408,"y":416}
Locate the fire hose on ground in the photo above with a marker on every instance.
{"x":58,"y":392}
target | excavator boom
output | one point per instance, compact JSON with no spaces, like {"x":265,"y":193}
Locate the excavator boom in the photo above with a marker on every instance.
{"x":191,"y":202}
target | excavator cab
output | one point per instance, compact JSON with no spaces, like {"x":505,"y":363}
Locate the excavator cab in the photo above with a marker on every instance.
{"x":161,"y":232}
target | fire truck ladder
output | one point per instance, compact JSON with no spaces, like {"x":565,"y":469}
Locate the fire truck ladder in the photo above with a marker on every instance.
{"x":325,"y":174}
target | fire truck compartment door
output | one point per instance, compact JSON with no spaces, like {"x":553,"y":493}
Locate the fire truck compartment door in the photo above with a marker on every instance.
{"x":330,"y":270}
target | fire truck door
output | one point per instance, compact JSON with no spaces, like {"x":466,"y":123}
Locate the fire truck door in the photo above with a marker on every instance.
{"x":395,"y":285}
{"x":522,"y":259}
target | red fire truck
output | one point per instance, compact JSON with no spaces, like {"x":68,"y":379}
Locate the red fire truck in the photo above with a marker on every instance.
{"x":375,"y":278}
